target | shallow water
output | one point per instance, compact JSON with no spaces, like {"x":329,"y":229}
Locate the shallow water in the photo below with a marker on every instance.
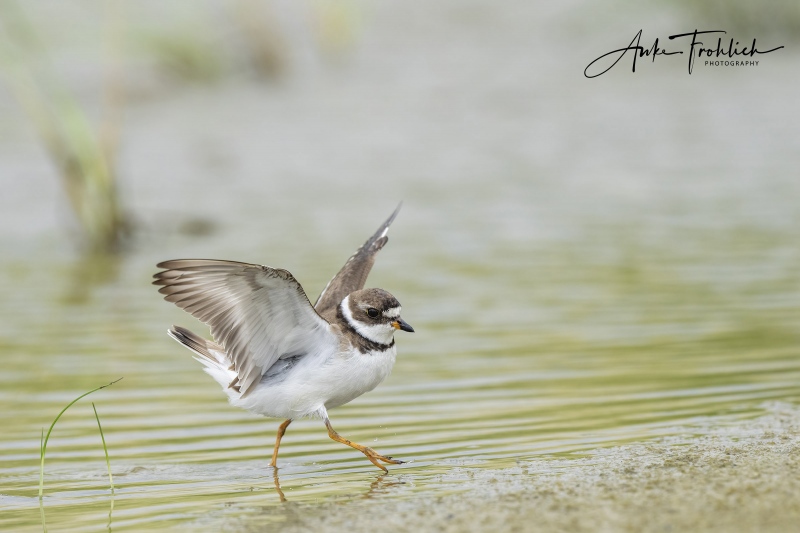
{"x":579,"y":278}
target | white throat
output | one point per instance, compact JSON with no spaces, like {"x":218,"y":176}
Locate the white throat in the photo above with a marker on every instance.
{"x":380,"y":333}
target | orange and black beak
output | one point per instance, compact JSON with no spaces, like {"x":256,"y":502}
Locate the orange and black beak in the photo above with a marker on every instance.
{"x":402,"y":324}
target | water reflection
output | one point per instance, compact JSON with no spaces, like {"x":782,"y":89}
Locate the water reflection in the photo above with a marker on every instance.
{"x":43,"y":517}
{"x":90,"y":271}
{"x":281,"y":495}
{"x":380,"y":486}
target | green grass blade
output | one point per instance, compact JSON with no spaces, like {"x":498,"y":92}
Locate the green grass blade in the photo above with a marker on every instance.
{"x":105,"y":449}
{"x":43,"y":449}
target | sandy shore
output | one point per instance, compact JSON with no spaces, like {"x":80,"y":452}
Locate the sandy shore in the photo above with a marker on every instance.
{"x":744,"y":477}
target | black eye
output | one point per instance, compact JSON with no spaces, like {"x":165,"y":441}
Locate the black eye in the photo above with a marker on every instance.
{"x":372,"y":312}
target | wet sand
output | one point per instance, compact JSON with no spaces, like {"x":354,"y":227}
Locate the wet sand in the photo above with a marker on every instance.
{"x":745,"y":477}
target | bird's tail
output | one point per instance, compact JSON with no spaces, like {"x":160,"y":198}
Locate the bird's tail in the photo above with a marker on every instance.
{"x":212,"y":355}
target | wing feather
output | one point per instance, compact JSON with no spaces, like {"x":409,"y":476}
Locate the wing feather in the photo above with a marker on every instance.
{"x":353,"y":274}
{"x":258,"y":314}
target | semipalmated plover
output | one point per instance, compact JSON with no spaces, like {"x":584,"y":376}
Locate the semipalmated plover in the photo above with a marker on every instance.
{"x":274,"y":353}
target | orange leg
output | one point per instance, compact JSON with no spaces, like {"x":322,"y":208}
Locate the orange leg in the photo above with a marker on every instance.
{"x":281,"y":431}
{"x":371,"y":454}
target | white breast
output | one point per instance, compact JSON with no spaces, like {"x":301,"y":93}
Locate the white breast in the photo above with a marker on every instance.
{"x":354,"y":373}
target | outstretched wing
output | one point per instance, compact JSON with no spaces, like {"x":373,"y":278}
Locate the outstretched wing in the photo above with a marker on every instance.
{"x":257,"y":313}
{"x":353,"y":274}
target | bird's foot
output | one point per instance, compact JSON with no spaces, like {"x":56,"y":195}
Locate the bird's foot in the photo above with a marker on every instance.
{"x":374,"y":457}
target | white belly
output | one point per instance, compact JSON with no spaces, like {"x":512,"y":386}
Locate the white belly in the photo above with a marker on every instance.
{"x":315,"y":383}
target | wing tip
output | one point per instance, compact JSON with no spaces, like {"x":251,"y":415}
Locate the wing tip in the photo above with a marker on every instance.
{"x":384,"y":229}
{"x":394,"y":214}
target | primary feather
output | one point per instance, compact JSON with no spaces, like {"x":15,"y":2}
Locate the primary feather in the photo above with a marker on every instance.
{"x":256,"y":313}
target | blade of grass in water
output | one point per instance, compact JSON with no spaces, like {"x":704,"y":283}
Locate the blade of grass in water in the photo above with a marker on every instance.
{"x":43,"y":448}
{"x":105,"y":449}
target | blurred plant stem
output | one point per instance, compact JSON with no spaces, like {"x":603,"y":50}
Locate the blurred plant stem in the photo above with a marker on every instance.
{"x":85,"y":158}
{"x":260,"y":31}
{"x":337,"y":25}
